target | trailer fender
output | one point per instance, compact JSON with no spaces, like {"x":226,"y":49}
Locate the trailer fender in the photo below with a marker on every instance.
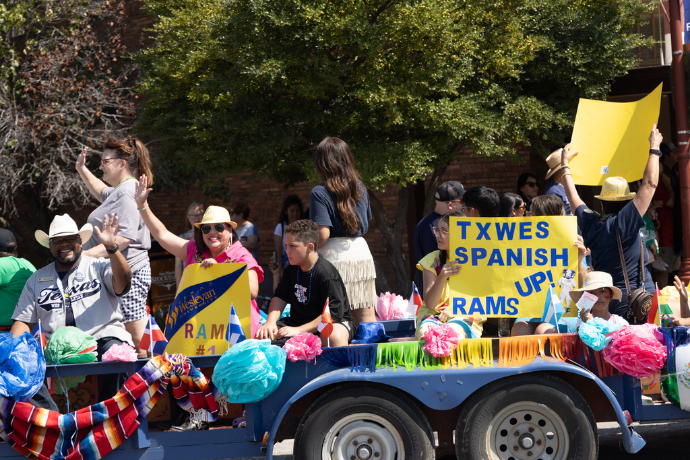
{"x":446,"y":389}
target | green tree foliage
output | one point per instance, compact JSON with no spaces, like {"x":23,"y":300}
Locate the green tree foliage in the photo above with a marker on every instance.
{"x":233,"y":85}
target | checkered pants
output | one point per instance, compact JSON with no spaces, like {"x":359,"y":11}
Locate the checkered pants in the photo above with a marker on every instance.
{"x":133,"y":304}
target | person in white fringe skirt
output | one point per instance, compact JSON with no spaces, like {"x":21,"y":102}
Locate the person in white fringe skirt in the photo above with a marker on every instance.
{"x":340,"y":207}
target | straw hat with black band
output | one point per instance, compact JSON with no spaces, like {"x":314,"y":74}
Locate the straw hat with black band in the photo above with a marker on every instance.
{"x":216,"y":215}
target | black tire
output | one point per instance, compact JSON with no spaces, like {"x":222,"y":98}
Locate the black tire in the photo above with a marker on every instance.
{"x":504,"y":419}
{"x":365,"y":417}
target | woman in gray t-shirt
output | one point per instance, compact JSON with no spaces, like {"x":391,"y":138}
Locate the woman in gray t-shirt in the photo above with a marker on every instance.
{"x":122,"y":161}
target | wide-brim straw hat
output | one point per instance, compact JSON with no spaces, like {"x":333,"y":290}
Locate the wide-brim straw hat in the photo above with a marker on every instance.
{"x":216,"y":215}
{"x":615,"y":189}
{"x":63,"y":226}
{"x":554,"y":162}
{"x":593,"y":281}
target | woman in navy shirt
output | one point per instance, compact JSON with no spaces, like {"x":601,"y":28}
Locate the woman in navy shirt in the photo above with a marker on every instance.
{"x":340,"y":207}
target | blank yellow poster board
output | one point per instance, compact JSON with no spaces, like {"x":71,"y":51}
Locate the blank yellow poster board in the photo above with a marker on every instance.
{"x":612,"y":138}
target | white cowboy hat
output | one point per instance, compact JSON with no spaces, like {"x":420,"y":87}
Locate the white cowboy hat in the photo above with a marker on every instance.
{"x":63,"y":226}
{"x":593,"y":281}
{"x":216,"y":215}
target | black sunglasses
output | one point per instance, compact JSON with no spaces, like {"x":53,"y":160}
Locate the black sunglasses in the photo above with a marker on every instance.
{"x":218,"y":227}
{"x":532,"y":184}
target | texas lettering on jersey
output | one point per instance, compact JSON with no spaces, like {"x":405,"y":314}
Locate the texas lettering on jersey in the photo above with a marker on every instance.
{"x":51,"y":297}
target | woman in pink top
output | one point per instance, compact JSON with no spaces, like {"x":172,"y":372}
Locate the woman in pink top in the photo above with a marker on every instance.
{"x":212,"y":243}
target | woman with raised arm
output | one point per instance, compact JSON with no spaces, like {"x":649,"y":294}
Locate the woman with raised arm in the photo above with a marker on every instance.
{"x":340,"y":207}
{"x":212,"y":243}
{"x":122,"y":161}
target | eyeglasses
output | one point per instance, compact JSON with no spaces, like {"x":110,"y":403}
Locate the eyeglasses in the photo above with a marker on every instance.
{"x":105,"y":161}
{"x":439,"y":230}
{"x":532,"y":184}
{"x":217,"y":227}
{"x":523,"y":206}
{"x":196,"y":216}
{"x":68,"y":239}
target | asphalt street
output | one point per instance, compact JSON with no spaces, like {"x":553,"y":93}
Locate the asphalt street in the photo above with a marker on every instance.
{"x":665,"y":441}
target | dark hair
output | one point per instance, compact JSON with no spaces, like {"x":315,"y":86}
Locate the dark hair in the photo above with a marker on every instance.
{"x":305,"y":231}
{"x":135,"y":153}
{"x":666,"y":150}
{"x":446,"y":218}
{"x":508,"y":203}
{"x":241,"y":208}
{"x":336,"y":166}
{"x":547,"y":205}
{"x":483,"y":199}
{"x":199,"y":240}
{"x":291,"y":200}
{"x":11,"y":250}
{"x":613,"y":207}
{"x":522,"y":180}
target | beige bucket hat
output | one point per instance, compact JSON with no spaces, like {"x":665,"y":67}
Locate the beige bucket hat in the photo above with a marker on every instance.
{"x":615,"y":189}
{"x":554,"y":162}
{"x":596,"y":280}
{"x":63,"y":226}
{"x":216,"y":215}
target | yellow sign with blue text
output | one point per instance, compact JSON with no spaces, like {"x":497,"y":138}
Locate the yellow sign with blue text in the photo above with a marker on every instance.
{"x":199,"y":316}
{"x":611,"y":138}
{"x":509,"y":263}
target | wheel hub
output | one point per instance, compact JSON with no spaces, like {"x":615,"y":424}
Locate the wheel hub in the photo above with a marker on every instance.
{"x":528,"y":431}
{"x":363,"y":437}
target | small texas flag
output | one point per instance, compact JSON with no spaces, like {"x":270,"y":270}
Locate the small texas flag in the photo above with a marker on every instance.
{"x":415,"y":302}
{"x":326,"y":323}
{"x":37,"y":332}
{"x":234,"y":334}
{"x":153,"y":339}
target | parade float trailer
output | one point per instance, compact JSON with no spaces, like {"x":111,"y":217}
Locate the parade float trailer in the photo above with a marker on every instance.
{"x":546,"y":409}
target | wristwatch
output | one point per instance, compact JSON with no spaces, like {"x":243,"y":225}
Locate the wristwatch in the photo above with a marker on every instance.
{"x":113,"y":250}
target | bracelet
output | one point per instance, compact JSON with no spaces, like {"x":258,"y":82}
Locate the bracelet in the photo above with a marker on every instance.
{"x":655,"y":151}
{"x":565,"y":167}
{"x":144,"y":208}
{"x":113,"y":250}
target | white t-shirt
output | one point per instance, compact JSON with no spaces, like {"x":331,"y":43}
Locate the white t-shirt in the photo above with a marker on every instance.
{"x":279,"y":231}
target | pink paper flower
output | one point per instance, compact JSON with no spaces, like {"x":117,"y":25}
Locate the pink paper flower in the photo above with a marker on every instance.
{"x":390,"y":306}
{"x":636,"y":350}
{"x":440,"y":340}
{"x":122,"y":352}
{"x":303,"y":347}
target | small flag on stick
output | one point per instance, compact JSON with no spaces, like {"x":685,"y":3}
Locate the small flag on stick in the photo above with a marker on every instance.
{"x":326,"y":323}
{"x":415,"y":302}
{"x":153,"y":338}
{"x":235,"y":333}
{"x":553,"y":309}
{"x":37,"y":332}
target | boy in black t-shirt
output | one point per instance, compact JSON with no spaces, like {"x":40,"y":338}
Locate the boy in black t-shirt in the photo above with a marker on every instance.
{"x":306,"y":284}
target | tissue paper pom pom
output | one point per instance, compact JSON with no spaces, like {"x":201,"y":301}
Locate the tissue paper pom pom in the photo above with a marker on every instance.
{"x":303,"y":347}
{"x":440,"y":340}
{"x":592,"y":333}
{"x":22,"y":366}
{"x":118,"y":352}
{"x":634,"y":350}
{"x":390,"y":306}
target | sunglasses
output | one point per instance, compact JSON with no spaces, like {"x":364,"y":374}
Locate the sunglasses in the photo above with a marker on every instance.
{"x":532,"y":184}
{"x":206,"y":229}
{"x":69,"y":240}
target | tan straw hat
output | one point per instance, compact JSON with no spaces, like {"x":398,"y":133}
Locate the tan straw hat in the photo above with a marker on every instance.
{"x":63,"y":226}
{"x":593,"y":281}
{"x":554,"y":162}
{"x":216,"y":215}
{"x":615,"y":189}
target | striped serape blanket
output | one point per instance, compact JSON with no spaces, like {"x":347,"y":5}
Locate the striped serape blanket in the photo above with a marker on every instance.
{"x":94,"y":431}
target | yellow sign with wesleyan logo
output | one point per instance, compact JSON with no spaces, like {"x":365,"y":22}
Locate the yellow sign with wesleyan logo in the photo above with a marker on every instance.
{"x":509,"y":263}
{"x":199,"y":316}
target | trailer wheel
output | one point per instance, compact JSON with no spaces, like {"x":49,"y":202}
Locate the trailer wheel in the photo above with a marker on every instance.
{"x":529,"y":417}
{"x":363,"y":424}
